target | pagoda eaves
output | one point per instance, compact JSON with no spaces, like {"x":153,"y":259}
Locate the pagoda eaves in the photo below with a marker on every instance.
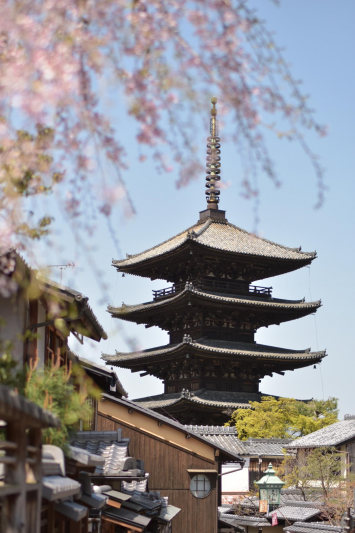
{"x":214,"y":245}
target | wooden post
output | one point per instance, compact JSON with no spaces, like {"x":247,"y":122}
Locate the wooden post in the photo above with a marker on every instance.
{"x":35,"y":441}
{"x":16,"y":475}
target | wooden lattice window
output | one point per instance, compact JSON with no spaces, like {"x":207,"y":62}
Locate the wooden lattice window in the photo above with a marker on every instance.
{"x":56,"y":347}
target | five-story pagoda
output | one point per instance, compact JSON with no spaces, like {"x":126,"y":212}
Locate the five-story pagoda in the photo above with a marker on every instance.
{"x":212,"y":364}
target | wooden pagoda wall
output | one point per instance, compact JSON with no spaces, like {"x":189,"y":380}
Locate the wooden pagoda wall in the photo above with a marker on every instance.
{"x":167,"y":466}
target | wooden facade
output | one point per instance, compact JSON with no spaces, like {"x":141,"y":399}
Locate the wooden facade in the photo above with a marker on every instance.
{"x":172,"y":456}
{"x":168,"y":468}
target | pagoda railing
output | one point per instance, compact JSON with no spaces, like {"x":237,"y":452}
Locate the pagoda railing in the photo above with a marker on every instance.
{"x":216,"y":285}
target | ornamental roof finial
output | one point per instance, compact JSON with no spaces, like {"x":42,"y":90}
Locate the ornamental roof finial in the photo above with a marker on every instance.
{"x":213,"y":164}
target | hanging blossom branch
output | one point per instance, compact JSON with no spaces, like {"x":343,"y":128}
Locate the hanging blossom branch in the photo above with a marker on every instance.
{"x":163,"y":58}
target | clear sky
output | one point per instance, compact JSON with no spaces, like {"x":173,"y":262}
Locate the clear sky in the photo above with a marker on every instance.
{"x":319,"y":43}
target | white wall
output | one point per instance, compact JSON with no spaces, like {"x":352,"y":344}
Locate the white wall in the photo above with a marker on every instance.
{"x":13,"y":312}
{"x":236,"y":481}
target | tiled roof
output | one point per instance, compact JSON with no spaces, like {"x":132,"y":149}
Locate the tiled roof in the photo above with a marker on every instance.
{"x":79,"y":298}
{"x":212,"y":430}
{"x":269,"y":447}
{"x":333,"y":435}
{"x":229,"y":442}
{"x":227,"y":348}
{"x":312,"y":527}
{"x":245,"y":302}
{"x":239,"y":520}
{"x":84,"y":457}
{"x":297,"y":511}
{"x":222,"y":399}
{"x":113,"y":449}
{"x":227,"y":437}
{"x":58,"y":487}
{"x":91,"y":366}
{"x":221,"y":236}
{"x":288,"y":497}
{"x":168,"y":421}
{"x":14,"y":406}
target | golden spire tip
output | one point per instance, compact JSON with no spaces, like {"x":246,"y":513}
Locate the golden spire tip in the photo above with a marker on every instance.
{"x":214,"y":110}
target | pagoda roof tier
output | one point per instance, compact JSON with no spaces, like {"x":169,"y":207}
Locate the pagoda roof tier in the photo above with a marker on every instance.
{"x":207,"y":399}
{"x":212,"y":349}
{"x":217,"y":241}
{"x":202,"y":406}
{"x":169,"y":312}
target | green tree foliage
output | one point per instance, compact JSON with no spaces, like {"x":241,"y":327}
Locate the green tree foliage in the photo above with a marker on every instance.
{"x":63,"y":391}
{"x":284,"y":417}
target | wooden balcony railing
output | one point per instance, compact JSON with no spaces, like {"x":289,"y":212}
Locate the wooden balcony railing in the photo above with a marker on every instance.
{"x":215,"y":285}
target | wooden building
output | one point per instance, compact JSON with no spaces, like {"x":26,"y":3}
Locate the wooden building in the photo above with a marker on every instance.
{"x":212,"y":364}
{"x":21,"y":477}
{"x":38,"y":315}
{"x":257,"y":455}
{"x":182,"y":465}
{"x":340,"y":435}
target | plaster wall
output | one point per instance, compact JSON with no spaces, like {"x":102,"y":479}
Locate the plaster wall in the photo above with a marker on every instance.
{"x":13,"y":313}
{"x":236,"y":482}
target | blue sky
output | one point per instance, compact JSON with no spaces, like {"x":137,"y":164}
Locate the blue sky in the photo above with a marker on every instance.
{"x":319,"y":44}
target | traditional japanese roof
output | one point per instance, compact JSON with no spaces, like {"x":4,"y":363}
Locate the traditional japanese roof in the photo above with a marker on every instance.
{"x":333,"y":435}
{"x":84,"y":457}
{"x":59,"y":487}
{"x":103,"y":377}
{"x":300,"y":511}
{"x":288,"y":496}
{"x":273,"y":310}
{"x":127,"y":517}
{"x":229,"y":442}
{"x":113,"y":448}
{"x":213,"y":399}
{"x":72,"y":510}
{"x":90,"y":326}
{"x":211,"y":236}
{"x":266,"y":447}
{"x":212,"y":348}
{"x":240,"y":520}
{"x":227,"y":437}
{"x":312,"y":527}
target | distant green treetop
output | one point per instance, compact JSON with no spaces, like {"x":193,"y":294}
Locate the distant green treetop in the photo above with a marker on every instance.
{"x":283,"y":418}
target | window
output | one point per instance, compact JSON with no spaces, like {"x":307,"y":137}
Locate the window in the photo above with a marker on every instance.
{"x":55,"y":347}
{"x":200,"y":486}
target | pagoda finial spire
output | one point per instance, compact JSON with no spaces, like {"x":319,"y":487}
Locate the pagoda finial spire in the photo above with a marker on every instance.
{"x":213,"y":164}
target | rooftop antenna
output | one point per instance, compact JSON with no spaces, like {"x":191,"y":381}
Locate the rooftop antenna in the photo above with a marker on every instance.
{"x":213,"y":164}
{"x":71,"y":264}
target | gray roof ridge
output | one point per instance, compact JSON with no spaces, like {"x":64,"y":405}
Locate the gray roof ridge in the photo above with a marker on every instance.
{"x":332,"y":432}
{"x":312,"y":254}
{"x":253,"y":440}
{"x":253,"y":301}
{"x":208,"y":345}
